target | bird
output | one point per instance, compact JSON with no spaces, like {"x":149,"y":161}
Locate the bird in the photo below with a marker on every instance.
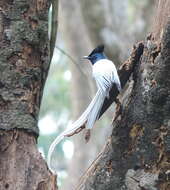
{"x":105,"y":74}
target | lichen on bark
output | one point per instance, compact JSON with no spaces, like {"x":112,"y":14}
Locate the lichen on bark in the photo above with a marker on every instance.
{"x":136,"y":156}
{"x":24,"y":62}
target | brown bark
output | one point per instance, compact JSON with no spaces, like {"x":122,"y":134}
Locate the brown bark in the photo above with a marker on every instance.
{"x":24,"y":64}
{"x":21,"y":165}
{"x":137,"y":155}
{"x":161,"y":18}
{"x":97,"y":27}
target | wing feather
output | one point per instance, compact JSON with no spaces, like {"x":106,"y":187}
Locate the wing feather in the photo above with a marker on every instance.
{"x":105,"y":74}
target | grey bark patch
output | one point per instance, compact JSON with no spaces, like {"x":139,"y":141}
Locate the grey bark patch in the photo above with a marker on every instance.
{"x":139,"y":180}
{"x":24,"y":63}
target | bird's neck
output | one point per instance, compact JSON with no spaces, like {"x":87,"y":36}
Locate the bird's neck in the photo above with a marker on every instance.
{"x":96,"y":57}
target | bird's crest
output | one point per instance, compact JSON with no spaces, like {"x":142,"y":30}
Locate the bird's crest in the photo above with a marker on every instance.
{"x":98,"y":49}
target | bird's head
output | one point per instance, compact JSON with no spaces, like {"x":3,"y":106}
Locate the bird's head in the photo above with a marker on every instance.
{"x":96,"y":54}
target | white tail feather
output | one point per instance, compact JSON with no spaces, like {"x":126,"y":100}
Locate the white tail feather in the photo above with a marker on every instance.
{"x":105,"y":74}
{"x":94,"y":114}
{"x":90,"y":115}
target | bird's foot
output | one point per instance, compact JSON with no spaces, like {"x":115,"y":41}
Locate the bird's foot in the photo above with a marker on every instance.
{"x":118,"y":110}
{"x":87,"y":135}
{"x":76,"y":131}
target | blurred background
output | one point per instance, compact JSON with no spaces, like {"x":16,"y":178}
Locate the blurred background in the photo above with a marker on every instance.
{"x":82,"y":25}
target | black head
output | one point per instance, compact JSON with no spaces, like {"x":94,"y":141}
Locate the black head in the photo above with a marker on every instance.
{"x":98,"y":49}
{"x":96,"y":54}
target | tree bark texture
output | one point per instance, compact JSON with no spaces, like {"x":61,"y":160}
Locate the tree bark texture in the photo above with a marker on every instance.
{"x":24,"y":63}
{"x":21,"y":165}
{"x":137,"y":155}
{"x":83,"y":28}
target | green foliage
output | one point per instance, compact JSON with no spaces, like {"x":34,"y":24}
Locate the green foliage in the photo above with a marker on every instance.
{"x":55,"y":103}
{"x":137,"y":2}
{"x":45,"y":141}
{"x":134,"y":7}
{"x":56,"y":92}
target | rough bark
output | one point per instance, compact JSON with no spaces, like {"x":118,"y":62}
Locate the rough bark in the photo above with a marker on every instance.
{"x":161,"y":19}
{"x":98,"y":28}
{"x":137,"y":155}
{"x":124,"y":73}
{"x":24,"y":64}
{"x":21,"y":165}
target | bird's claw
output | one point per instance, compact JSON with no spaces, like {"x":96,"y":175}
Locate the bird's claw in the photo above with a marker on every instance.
{"x":76,"y":131}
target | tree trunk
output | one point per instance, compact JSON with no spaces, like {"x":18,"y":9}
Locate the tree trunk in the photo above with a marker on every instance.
{"x":137,"y":155}
{"x":24,"y":64}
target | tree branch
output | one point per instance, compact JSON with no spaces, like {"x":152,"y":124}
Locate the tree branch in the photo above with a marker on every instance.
{"x":72,"y":61}
{"x":124,"y":72}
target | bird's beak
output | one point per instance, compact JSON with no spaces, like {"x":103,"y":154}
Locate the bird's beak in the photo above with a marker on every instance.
{"x":85,"y":57}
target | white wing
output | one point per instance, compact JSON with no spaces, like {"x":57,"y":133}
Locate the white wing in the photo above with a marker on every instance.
{"x":105,"y":74}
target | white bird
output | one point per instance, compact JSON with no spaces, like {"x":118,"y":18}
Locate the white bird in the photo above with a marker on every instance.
{"x":105,"y":75}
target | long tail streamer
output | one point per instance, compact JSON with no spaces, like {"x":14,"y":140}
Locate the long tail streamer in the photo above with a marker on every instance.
{"x":90,"y":115}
